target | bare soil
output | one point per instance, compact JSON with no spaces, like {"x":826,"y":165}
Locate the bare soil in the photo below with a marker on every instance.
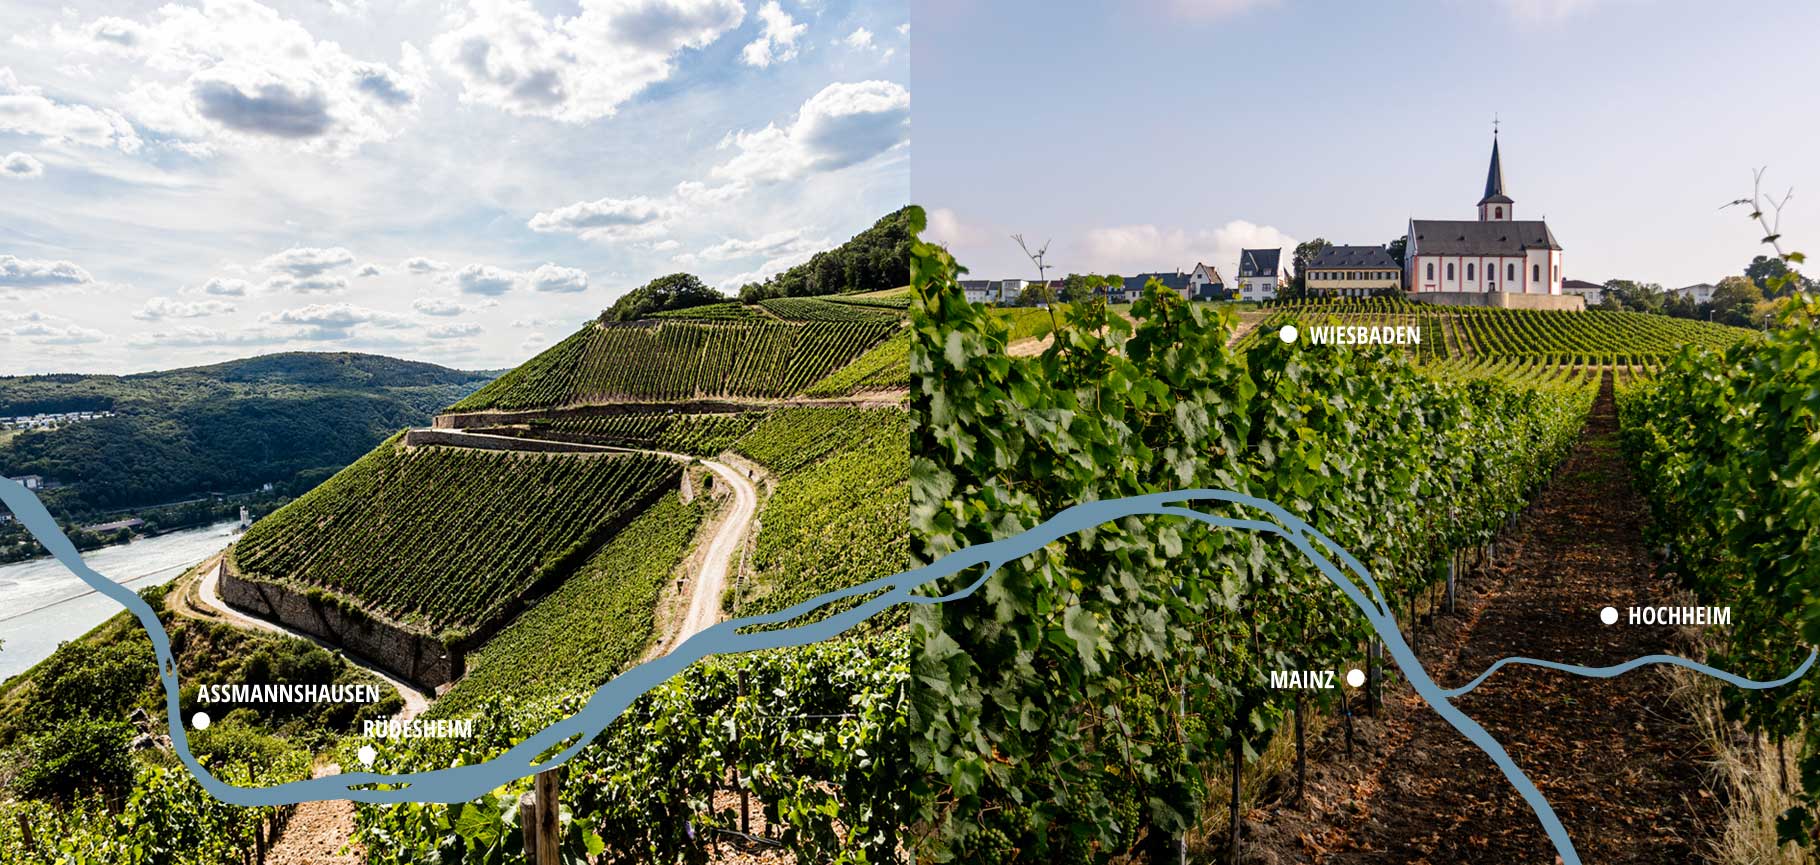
{"x":1617,"y":758}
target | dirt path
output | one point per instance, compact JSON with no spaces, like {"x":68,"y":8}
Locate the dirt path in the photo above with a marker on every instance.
{"x":416,"y":702}
{"x":1615,"y":757}
{"x":710,"y":585}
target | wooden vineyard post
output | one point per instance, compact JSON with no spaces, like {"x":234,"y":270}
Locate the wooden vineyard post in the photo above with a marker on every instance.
{"x":548,"y":787}
{"x":25,"y":833}
{"x":540,"y":812}
{"x":527,"y":818}
{"x":745,"y":795}
{"x":1238,"y":777}
{"x":1452,"y":560}
{"x":1301,"y":753}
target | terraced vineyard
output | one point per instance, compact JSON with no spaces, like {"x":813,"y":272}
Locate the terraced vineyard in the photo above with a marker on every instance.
{"x":1595,"y":337}
{"x":886,"y":367}
{"x":449,"y":538}
{"x":826,"y":309}
{"x":700,"y":434}
{"x":681,"y":360}
{"x":590,"y":627}
{"x":729,"y":311}
{"x":840,"y":513}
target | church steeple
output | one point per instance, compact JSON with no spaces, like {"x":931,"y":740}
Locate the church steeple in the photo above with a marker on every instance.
{"x":1495,"y":206}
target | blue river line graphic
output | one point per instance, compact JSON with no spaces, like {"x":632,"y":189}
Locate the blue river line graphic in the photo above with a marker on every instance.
{"x":464,"y":783}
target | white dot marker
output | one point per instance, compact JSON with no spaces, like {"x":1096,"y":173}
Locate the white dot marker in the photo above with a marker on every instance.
{"x":367,"y":755}
{"x":1609,"y":615}
{"x":1289,"y":333}
{"x":200,"y":720}
{"x":1355,"y":677}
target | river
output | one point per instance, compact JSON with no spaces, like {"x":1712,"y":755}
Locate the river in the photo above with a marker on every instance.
{"x":42,"y":604}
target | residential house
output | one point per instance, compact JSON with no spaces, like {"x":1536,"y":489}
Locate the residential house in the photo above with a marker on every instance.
{"x":1699,"y":292}
{"x":1592,"y":292}
{"x":1205,"y":283}
{"x":1260,"y":276}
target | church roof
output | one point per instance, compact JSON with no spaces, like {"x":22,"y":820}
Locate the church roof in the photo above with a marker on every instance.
{"x":1471,"y":237}
{"x":1494,"y":179}
{"x":1579,"y":285}
{"x":1354,"y":256}
{"x":1259,"y":262}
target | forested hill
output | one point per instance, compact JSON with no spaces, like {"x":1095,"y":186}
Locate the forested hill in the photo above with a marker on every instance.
{"x":287,"y":419}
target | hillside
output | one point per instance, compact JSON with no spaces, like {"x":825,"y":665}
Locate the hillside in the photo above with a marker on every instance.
{"x":593,"y":508}
{"x":286,"y":419}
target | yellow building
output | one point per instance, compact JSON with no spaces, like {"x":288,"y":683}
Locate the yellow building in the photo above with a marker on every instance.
{"x":1353,"y":271}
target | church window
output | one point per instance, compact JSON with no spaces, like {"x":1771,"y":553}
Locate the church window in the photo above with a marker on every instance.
{"x":1469,"y":273}
{"x":1510,"y":272}
{"x":1497,"y":213}
{"x":1535,"y":273}
{"x":1450,"y":271}
{"x":1431,"y":270}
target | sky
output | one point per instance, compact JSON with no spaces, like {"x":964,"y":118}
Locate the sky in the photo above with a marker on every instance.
{"x":459,"y":182}
{"x":1160,"y":133}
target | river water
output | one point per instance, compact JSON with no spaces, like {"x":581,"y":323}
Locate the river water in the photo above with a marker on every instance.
{"x":42,"y":604}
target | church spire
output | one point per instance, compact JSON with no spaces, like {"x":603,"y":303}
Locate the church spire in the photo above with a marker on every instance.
{"x":1495,"y":206}
{"x":1494,"y":178}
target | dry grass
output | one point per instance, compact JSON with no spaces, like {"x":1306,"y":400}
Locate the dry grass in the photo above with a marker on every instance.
{"x":1744,"y":775}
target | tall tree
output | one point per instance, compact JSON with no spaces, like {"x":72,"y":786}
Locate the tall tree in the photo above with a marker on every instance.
{"x":676,"y":291}
{"x":1735,"y":301}
{"x":1304,"y":253}
{"x":1636,"y":296}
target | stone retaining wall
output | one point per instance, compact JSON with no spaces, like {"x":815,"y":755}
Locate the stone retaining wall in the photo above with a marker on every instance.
{"x":416,"y":658}
{"x":480,"y":441}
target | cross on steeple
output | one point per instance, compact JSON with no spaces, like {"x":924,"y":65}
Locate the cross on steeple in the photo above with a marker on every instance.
{"x":1494,"y":125}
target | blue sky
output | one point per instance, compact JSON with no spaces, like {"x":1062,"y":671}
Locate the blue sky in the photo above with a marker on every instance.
{"x":1163,"y":132}
{"x":462,"y":182}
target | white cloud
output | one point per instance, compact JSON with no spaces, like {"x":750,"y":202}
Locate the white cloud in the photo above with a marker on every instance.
{"x":69,"y":334}
{"x":605,"y":218}
{"x":27,"y":111}
{"x":558,"y":280}
{"x":202,"y":337}
{"x":318,"y":284}
{"x":946,"y":228}
{"x":776,"y":42}
{"x":160,"y":308}
{"x":485,"y":279}
{"x":844,"y":124}
{"x":903,"y":29}
{"x":777,"y":245}
{"x":1143,"y":248}
{"x":334,"y":321}
{"x":369,"y":269}
{"x":694,"y":193}
{"x":424,"y":265}
{"x":40,"y":273}
{"x":578,"y":68}
{"x":238,"y":70}
{"x":20,"y":166}
{"x":226,"y":287}
{"x":770,"y":268}
{"x":453,"y":331}
{"x":304,"y":261}
{"x":859,"y":39}
{"x":439,"y":306}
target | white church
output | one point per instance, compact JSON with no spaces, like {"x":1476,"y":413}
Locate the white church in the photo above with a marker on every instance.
{"x":1496,"y":253}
